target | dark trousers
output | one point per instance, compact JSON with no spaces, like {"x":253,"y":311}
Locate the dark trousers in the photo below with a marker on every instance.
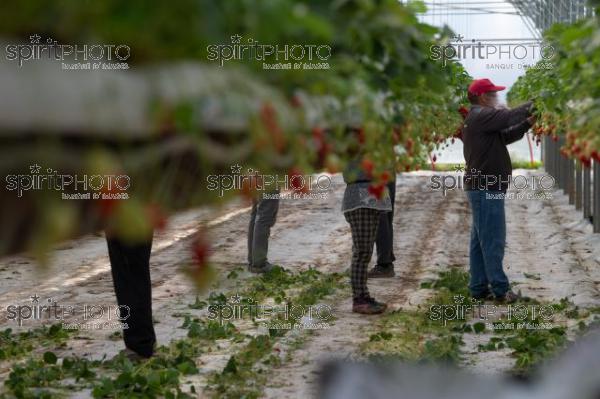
{"x":130,"y":266}
{"x":262,"y":218}
{"x":363,"y":225}
{"x":385,"y":232}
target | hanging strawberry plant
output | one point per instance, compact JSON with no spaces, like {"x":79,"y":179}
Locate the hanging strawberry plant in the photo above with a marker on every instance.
{"x":191,"y":107}
{"x":566,"y":90}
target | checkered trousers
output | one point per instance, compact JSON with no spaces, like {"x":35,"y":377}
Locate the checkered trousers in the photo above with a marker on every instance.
{"x":363,"y":224}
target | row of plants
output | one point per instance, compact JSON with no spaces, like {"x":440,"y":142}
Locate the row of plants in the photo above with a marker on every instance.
{"x":420,"y":336}
{"x":408,"y":335}
{"x":382,"y":92}
{"x":43,"y":372}
{"x":566,"y":89}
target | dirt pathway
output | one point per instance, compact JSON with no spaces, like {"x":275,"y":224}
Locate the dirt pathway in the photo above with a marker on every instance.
{"x":423,"y":224}
{"x":551,"y":254}
{"x":545,"y":238}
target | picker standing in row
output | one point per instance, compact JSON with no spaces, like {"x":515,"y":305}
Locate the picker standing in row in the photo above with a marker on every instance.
{"x":369,"y":214}
{"x":487,"y":130}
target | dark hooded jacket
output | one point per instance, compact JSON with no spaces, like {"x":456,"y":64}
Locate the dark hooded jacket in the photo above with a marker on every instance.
{"x":486,"y":133}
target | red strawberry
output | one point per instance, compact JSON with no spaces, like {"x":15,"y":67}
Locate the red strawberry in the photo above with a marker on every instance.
{"x":317,"y":132}
{"x":295,"y":101}
{"x":321,"y":145}
{"x":200,"y":271}
{"x":367,"y":166}
{"x":458,"y":133}
{"x":385,"y":176}
{"x":201,"y":251}
{"x":585,"y":161}
{"x":564,"y":152}
{"x":376,"y":190}
{"x":157,"y":217}
{"x":409,"y":145}
{"x":361,"y":135}
{"x":107,"y":205}
{"x":297,"y":180}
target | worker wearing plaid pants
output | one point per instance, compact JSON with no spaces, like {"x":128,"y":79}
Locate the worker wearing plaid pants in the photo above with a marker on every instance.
{"x":362,"y":210}
{"x":363,"y":224}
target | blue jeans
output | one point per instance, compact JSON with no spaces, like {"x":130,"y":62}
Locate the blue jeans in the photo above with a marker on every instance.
{"x":488,"y":239}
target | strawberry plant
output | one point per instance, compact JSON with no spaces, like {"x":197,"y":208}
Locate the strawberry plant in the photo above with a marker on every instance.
{"x":381,"y":82}
{"x":566,"y":90}
{"x":14,"y":345}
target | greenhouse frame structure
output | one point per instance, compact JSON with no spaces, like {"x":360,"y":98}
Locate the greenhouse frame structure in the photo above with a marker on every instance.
{"x":539,"y":15}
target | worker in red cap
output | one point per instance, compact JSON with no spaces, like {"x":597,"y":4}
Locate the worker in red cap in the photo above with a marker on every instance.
{"x":487,"y":130}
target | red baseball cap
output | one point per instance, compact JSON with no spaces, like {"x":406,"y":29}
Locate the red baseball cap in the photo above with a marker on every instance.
{"x":480,"y":86}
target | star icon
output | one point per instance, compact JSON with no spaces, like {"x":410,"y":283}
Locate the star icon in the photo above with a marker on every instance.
{"x":34,"y":298}
{"x":458,"y":38}
{"x":459,"y":168}
{"x":458,"y":298}
{"x":236,"y":39}
{"x":235,"y":298}
{"x":35,"y":168}
{"x":236,"y":169}
{"x":35,"y":39}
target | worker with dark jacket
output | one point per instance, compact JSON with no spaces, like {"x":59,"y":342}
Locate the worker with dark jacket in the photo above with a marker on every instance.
{"x":487,"y":131}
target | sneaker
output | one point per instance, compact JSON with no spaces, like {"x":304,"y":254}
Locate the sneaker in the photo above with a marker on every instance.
{"x":367,"y":305}
{"x":381,"y":271}
{"x":486,"y":296}
{"x":261,"y":269}
{"x":509,"y":297}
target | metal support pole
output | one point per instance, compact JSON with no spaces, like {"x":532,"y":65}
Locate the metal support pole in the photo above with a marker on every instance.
{"x":578,"y":185}
{"x":554,"y":160}
{"x":564,"y":173}
{"x":543,"y":151}
{"x":559,"y":169}
{"x":587,"y":193}
{"x":546,"y":154}
{"x":571,"y":181}
{"x":552,"y":153}
{"x":596,"y":200}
